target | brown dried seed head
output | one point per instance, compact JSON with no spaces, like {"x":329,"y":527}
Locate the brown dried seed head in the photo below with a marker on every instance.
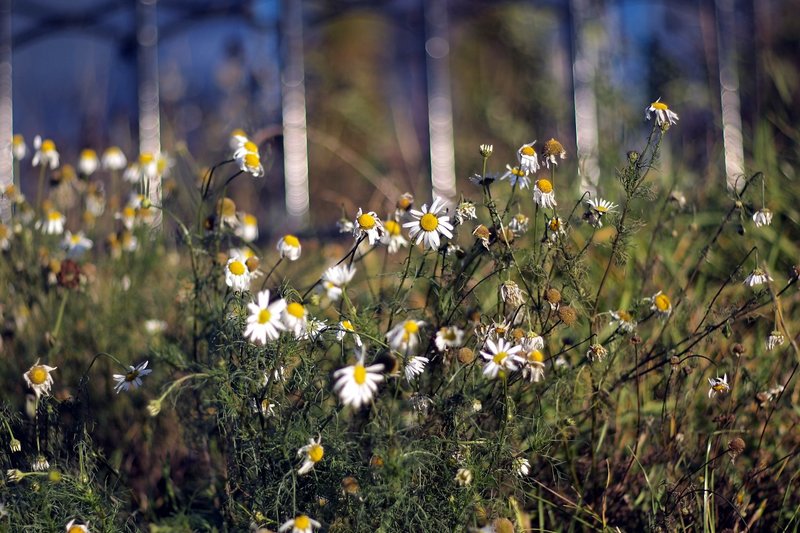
{"x":466,"y":356}
{"x":737,"y":349}
{"x":736,"y":446}
{"x":553,"y":296}
{"x":503,"y":525}
{"x":568,"y":315}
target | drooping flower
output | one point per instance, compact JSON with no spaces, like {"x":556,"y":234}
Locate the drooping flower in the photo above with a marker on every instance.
{"x":39,"y":379}
{"x":553,"y":151}
{"x":264,"y":322}
{"x":501,"y":356}
{"x":404,"y":337}
{"x":463,"y":477}
{"x":18,"y":147}
{"x":237,"y":275}
{"x":429,"y":224}
{"x":465,"y":211}
{"x":312,"y":453}
{"x":114,"y":159}
{"x":596,"y":352}
{"x":534,"y":365}
{"x":598,"y":208}
{"x":357,"y":384}
{"x":46,"y":153}
{"x":368,"y":224}
{"x":336,"y":278}
{"x":624,"y":320}
{"x":519,"y":224}
{"x":414,"y":367}
{"x":762,"y":217}
{"x":248,"y":159}
{"x":718,"y":385}
{"x":515,"y":176}
{"x":393,"y":237}
{"x":528,"y":160}
{"x":131,"y":379}
{"x":88,"y":162}
{"x":543,"y":194}
{"x":449,"y":337}
{"x":662,"y":112}
{"x":53,"y":223}
{"x":345,"y":327}
{"x":300,"y":524}
{"x":247,"y":229}
{"x":295,"y":318}
{"x":521,"y":466}
{"x":775,"y":339}
{"x":289,"y":247}
{"x":757,"y":277}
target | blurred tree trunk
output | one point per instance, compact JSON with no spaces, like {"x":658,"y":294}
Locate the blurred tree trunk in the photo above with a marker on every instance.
{"x":149,"y":113}
{"x":6,"y":110}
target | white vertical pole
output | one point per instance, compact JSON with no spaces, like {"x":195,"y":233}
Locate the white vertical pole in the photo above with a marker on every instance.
{"x":6,"y":110}
{"x":295,"y":136}
{"x":149,"y":113}
{"x":729,"y":97}
{"x":440,"y":104}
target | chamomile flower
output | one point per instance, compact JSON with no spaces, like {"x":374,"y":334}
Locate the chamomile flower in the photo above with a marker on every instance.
{"x":148,"y":166}
{"x":623,"y":320}
{"x":289,"y":247}
{"x":249,"y":162}
{"x":264,"y":321}
{"x":131,"y":379}
{"x":357,"y":384}
{"x":662,"y":112}
{"x":511,"y":294}
{"x":463,"y":477}
{"x":393,"y":236}
{"x":336,"y":278}
{"x":598,"y":208}
{"x":73,"y":527}
{"x":662,"y":305}
{"x":300,"y":524}
{"x":775,"y":339}
{"x":39,"y":379}
{"x":76,"y":244}
{"x":237,"y":139}
{"x":543,"y":194}
{"x":247,"y":229}
{"x":521,"y":466}
{"x":414,"y":367}
{"x":501,"y":356}
{"x":449,"y":337}
{"x":295,"y":318}
{"x":88,"y":162}
{"x":718,"y":385}
{"x":429,"y":224}
{"x":757,"y":277}
{"x":46,"y":153}
{"x":556,"y":228}
{"x":345,"y":327}
{"x":515,"y":175}
{"x":127,"y":216}
{"x":53,"y":223}
{"x":762,"y":217}
{"x":312,"y":453}
{"x":314,"y":328}
{"x":18,"y":147}
{"x":403,"y":204}
{"x":528,"y":160}
{"x":519,"y":224}
{"x":596,"y":352}
{"x":534,"y":365}
{"x":237,"y":275}
{"x":132,"y":173}
{"x":404,"y":337}
{"x":553,"y":151}
{"x":40,"y":464}
{"x":465,"y":211}
{"x":5,"y":234}
{"x":368,"y":224}
{"x":114,"y":159}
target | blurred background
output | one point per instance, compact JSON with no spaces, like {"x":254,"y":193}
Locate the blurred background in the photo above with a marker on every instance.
{"x":355,"y":102}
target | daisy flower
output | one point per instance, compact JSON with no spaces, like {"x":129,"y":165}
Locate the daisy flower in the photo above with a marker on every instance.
{"x":311,"y":453}
{"x":623,"y":320}
{"x":449,"y":337}
{"x":662,"y":112}
{"x":357,"y":384}
{"x":596,"y":352}
{"x":662,"y":305}
{"x":53,"y":223}
{"x":501,"y":357}
{"x":543,"y":194}
{"x":249,"y":162}
{"x":597,"y":209}
{"x":39,"y":379}
{"x":403,"y":204}
{"x":300,"y":524}
{"x":718,"y":385}
{"x":336,"y":278}
{"x":528,"y":161}
{"x":132,"y":379}
{"x":486,"y":150}
{"x":368,"y":224}
{"x":127,"y":216}
{"x":113,"y":159}
{"x":74,"y":527}
{"x":148,"y":166}
{"x":314,"y":327}
{"x":556,"y":227}
{"x":521,"y":466}
{"x":295,"y":318}
{"x":40,"y":464}
{"x":415,"y":367}
{"x":237,"y":139}
{"x":46,"y":153}
{"x":515,"y":175}
{"x":247,"y":229}
{"x":757,"y":277}
{"x":404,"y":337}
{"x":553,"y":151}
{"x":465,"y":211}
{"x":534,"y":367}
{"x":393,"y":237}
{"x":289,"y":247}
{"x":429,"y":224}
{"x":775,"y":339}
{"x":237,"y":275}
{"x":519,"y":224}
{"x":88,"y":162}
{"x":264,"y":321}
{"x":762,"y":217}
{"x":345,"y":327}
{"x":18,"y":147}
{"x":76,"y":244}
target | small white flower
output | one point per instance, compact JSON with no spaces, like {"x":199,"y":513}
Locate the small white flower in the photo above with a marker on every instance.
{"x":429,"y":224}
{"x":519,"y":224}
{"x":757,"y":277}
{"x":237,"y":275}
{"x":465,"y":211}
{"x":312,"y":453}
{"x":238,"y":139}
{"x":295,"y":318}
{"x":73,"y":527}
{"x":264,"y":321}
{"x":596,"y":352}
{"x":153,"y":326}
{"x":249,"y":160}
{"x":775,"y":339}
{"x":521,"y":466}
{"x":662,"y":305}
{"x":528,"y":160}
{"x":345,"y":327}
{"x":534,"y":365}
{"x":718,"y":385}
{"x":543,"y":194}
{"x":486,"y":150}
{"x":598,"y":208}
{"x":404,"y":337}
{"x":368,"y":224}
{"x":623,"y":320}
{"x":132,"y":379}
{"x":148,"y":167}
{"x":511,"y":294}
{"x":46,"y":153}
{"x":40,"y":464}
{"x":501,"y":357}
{"x":300,"y":524}
{"x":39,"y":379}
{"x":88,"y":162}
{"x":314,"y":328}
{"x":114,"y":159}
{"x":415,"y":367}
{"x":556,"y":227}
{"x":463,"y":477}
{"x":289,"y":247}
{"x":357,"y":384}
{"x":336,"y":278}
{"x":18,"y":147}
{"x":53,"y":223}
{"x":76,"y":244}
{"x":762,"y":217}
{"x":515,"y":175}
{"x":393,"y":237}
{"x":449,"y":337}
{"x":662,"y":112}
{"x":247,"y":229}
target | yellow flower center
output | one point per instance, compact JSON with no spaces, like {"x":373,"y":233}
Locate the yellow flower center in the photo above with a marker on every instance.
{"x":249,"y":220}
{"x":625,"y":316}
{"x":88,"y":154}
{"x":517,"y":171}
{"x":238,"y":132}
{"x":250,"y":146}
{"x":76,"y":529}
{"x":392,"y":227}
{"x":48,"y":146}
{"x":536,"y":356}
{"x":449,"y":334}
{"x":555,"y":224}
{"x":291,"y":240}
{"x":661,"y":106}
{"x":38,"y":375}
{"x":410,"y":327}
{"x":296,"y":310}
{"x":128,"y":212}
{"x":228,"y":208}
{"x":302,"y":522}
{"x":528,"y":150}
{"x":662,"y":302}
{"x":316,"y":452}
{"x":545,"y":186}
{"x":18,"y":140}
{"x":346,"y":324}
{"x":359,"y":374}
{"x":54,"y":216}
{"x":237,"y":268}
{"x":719,"y":387}
{"x":3,"y":231}
{"x":429,"y":222}
{"x":146,"y":158}
{"x":132,"y":375}
{"x":75,"y":239}
{"x":252,"y":160}
{"x":499,"y":358}
{"x":404,"y":202}
{"x":366,"y":221}
{"x":263,"y":316}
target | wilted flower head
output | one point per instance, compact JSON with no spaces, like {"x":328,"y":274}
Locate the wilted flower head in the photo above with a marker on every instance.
{"x":449,"y":337}
{"x":336,"y":278}
{"x":757,"y":277}
{"x":528,"y":160}
{"x":368,"y":224}
{"x":596,"y":352}
{"x":543,"y":194}
{"x":623,"y":320}
{"x":131,"y":379}
{"x":393,"y":237}
{"x":662,"y":112}
{"x":519,"y":224}
{"x":512,"y":294}
{"x":486,"y":150}
{"x":762,"y":217}
{"x":521,"y":466}
{"x":465,"y":211}
{"x":598,"y":208}
{"x":718,"y":385}
{"x":516,"y":176}
{"x":39,"y":379}
{"x":553,"y":151}
{"x":776,"y":338}
{"x":46,"y":153}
